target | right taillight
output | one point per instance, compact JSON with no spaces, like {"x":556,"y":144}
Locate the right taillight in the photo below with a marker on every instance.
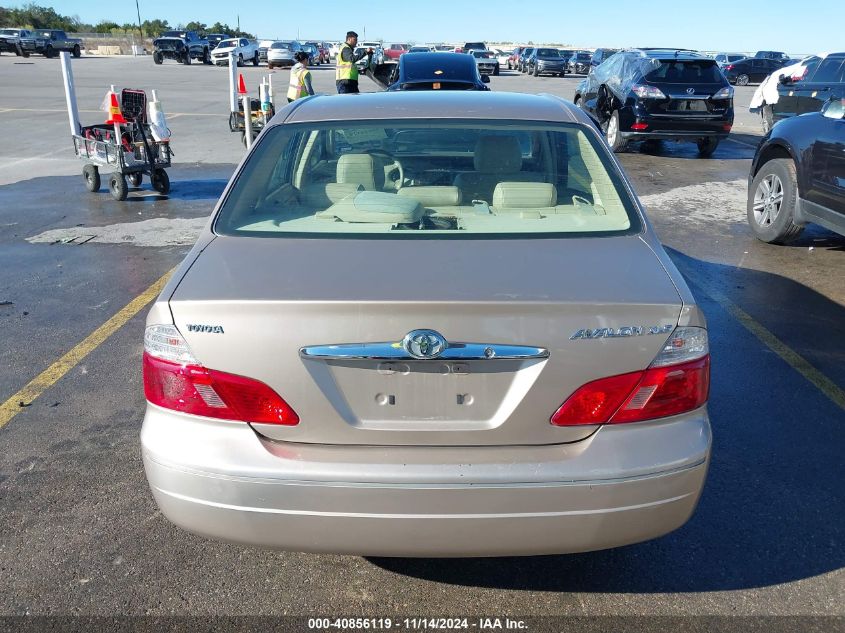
{"x":173,"y":379}
{"x":677,"y":381}
{"x":729,"y":67}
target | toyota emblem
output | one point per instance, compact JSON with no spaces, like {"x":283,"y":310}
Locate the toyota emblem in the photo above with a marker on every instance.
{"x":424,"y":344}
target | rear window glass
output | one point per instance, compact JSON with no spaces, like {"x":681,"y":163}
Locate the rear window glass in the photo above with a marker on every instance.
{"x":548,"y":52}
{"x":281,"y":45}
{"x":686,"y":72}
{"x":428,"y":68}
{"x":829,"y":70}
{"x":418,"y":179}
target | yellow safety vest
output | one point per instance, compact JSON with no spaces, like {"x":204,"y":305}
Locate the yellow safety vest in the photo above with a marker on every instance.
{"x":296,"y":87}
{"x":346,"y":70}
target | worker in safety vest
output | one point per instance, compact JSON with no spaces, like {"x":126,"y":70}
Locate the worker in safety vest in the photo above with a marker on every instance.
{"x":346,"y":75}
{"x":300,"y":78}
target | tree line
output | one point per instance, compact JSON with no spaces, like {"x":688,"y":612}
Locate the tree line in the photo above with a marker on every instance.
{"x":33,"y":16}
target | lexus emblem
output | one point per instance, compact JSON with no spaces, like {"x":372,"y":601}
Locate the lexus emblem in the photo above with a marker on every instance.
{"x":690,"y":91}
{"x":424,"y":344}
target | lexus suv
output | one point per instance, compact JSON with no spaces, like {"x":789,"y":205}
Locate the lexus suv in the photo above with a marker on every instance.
{"x":655,"y":94}
{"x":434,"y":324}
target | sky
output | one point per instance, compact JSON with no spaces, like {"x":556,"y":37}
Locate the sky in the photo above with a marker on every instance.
{"x":815,"y":26}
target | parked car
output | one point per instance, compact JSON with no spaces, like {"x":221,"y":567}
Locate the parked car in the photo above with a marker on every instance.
{"x":474,"y":46}
{"x":547,"y":61}
{"x":751,"y":70}
{"x":487,"y":62}
{"x":378,"y":51}
{"x":653,"y":94}
{"x":50,"y":42}
{"x":214,"y":39}
{"x":10,"y":41}
{"x":263,"y":46}
{"x":430,"y":71}
{"x":193,"y":47}
{"x":421,"y":49}
{"x":723,"y":59}
{"x":522,"y":62}
{"x":778,"y":55}
{"x":448,"y":48}
{"x":245,"y":51}
{"x":403,"y":412}
{"x":823,"y":80}
{"x":395,"y":51}
{"x":502,"y":57}
{"x":281,"y":53}
{"x":334,"y":49}
{"x":323,"y":55}
{"x":513,"y":58}
{"x":798,"y":176}
{"x":601,"y":55}
{"x":768,"y":93}
{"x":581,"y":62}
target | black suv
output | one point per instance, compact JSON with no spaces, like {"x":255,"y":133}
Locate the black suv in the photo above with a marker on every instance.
{"x":430,"y":71}
{"x":652,"y":94}
{"x":824,"y":79}
{"x":580,"y":62}
{"x":547,"y":61}
{"x":798,"y":176}
{"x":751,"y":69}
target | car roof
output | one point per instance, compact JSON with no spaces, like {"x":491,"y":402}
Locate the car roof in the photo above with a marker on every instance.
{"x":424,"y":104}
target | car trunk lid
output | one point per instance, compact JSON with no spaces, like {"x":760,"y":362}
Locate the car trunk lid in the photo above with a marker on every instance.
{"x":249,"y":306}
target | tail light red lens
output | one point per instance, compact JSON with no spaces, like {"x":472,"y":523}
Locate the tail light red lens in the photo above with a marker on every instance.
{"x":197,"y":390}
{"x":639,"y":126}
{"x":654,"y":393}
{"x":729,"y":67}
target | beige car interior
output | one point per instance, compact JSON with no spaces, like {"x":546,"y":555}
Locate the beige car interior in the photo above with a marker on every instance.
{"x":497,"y":194}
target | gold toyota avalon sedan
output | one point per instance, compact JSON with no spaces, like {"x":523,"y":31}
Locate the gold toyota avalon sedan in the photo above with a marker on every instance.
{"x":427,"y":324}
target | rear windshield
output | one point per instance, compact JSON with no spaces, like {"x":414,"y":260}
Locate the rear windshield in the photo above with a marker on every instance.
{"x":687,"y":72}
{"x":282,"y":45}
{"x":228,"y":44}
{"x":417,"y":179}
{"x":548,"y":52}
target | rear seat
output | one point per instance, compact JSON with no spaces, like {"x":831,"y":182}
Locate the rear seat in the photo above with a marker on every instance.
{"x":496,"y":159}
{"x":534,"y":199}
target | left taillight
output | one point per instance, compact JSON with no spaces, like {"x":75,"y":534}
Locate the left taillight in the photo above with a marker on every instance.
{"x":174,"y":379}
{"x":677,"y":381}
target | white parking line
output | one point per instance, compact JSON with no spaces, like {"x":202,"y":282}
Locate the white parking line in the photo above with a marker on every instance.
{"x":170,"y":114}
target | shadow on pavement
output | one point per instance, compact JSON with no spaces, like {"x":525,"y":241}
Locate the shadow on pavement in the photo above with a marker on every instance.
{"x":773,"y":508}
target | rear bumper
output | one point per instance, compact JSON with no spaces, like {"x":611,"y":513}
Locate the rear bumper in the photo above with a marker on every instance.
{"x":622,"y":485}
{"x":674,"y":135}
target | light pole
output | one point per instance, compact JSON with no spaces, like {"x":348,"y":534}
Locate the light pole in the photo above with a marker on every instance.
{"x":140,"y":30}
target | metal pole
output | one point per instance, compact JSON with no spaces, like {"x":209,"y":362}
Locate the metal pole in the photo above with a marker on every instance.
{"x":70,"y":93}
{"x":270,"y":91}
{"x":247,"y":122}
{"x":233,"y":84}
{"x":138,"y":9}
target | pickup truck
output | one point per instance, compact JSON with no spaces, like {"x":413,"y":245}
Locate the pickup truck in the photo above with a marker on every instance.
{"x":193,"y":47}
{"x":50,"y":42}
{"x":245,"y":51}
{"x":10,"y":41}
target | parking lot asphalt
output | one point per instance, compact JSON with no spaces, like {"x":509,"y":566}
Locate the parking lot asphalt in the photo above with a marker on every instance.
{"x":80,"y":534}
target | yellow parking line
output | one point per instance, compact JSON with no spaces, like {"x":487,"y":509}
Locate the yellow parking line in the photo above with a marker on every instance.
{"x":789,"y":355}
{"x":54,"y":372}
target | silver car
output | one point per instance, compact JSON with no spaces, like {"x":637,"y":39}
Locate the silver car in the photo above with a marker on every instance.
{"x":435,"y":324}
{"x":282,"y":53}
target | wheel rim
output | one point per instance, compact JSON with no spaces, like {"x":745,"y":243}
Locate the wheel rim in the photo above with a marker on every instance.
{"x":743,"y":80}
{"x":768,"y":199}
{"x":612,"y":130}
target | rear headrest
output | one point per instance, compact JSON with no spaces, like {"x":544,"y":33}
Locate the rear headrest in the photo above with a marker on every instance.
{"x":524,"y":195}
{"x":498,"y":155}
{"x":430,"y":196}
{"x":362,"y":169}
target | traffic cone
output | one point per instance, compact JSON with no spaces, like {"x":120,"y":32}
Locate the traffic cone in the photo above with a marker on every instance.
{"x":241,"y":85}
{"x":115,"y":115}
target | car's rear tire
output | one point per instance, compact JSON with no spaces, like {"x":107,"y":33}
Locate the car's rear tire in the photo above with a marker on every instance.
{"x":118,"y":187}
{"x":92,"y":178}
{"x":49,"y":52}
{"x":240,"y":61}
{"x":742,"y":80}
{"x":157,"y":58}
{"x":613,"y":134}
{"x":536,"y":71}
{"x":707,"y":145}
{"x":187,"y":58}
{"x":206,"y":56}
{"x":76,"y":52}
{"x":772,"y":202}
{"x":767,"y":118}
{"x":255,"y":60}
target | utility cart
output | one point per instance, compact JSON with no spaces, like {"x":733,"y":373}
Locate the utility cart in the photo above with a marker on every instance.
{"x":128,"y":157}
{"x":258,"y":119}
